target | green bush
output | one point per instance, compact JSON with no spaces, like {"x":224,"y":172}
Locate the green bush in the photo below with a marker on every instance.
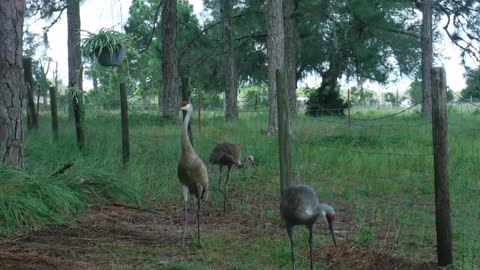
{"x":325,"y":103}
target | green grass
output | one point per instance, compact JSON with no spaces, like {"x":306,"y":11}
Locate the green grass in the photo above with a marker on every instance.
{"x":378,"y":174}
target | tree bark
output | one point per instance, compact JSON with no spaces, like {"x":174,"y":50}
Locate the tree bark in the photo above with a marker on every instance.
{"x":231,"y":111}
{"x":75,"y":76}
{"x":169,"y":96}
{"x":291,"y":54}
{"x":11,"y":82}
{"x":32,"y":121}
{"x":53,"y":111}
{"x":284,"y":131}
{"x":330,"y":77}
{"x":427,"y":59}
{"x":275,"y":56}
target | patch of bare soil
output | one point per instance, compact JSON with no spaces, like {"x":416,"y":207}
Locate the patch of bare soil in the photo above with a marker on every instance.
{"x":121,"y":237}
{"x":361,"y":257}
{"x":106,"y":236}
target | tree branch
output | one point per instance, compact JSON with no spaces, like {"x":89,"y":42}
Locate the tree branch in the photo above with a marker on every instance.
{"x":403,"y":32}
{"x":467,"y":48}
{"x":204,"y":30}
{"x":47,"y":28}
{"x":152,"y":33}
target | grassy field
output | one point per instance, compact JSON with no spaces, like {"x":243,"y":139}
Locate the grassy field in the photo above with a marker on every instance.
{"x":378,"y":174}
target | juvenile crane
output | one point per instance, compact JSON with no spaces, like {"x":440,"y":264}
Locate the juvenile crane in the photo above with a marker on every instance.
{"x":192,"y":173}
{"x":228,"y":154}
{"x":299,"y":206}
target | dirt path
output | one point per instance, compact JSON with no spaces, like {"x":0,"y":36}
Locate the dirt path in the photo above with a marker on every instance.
{"x":120,"y":237}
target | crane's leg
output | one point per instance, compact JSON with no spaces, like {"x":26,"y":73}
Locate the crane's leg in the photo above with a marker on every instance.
{"x":225,"y":197}
{"x":198,"y":223}
{"x":310,"y":242}
{"x":185,"y":193}
{"x":290,"y":235}
{"x":220,"y":180}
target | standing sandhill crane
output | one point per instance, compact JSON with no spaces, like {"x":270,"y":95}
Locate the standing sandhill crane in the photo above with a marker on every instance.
{"x":228,"y":154}
{"x":192,"y":172}
{"x":299,"y":206}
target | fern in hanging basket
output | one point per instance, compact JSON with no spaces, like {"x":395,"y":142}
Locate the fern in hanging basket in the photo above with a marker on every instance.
{"x":107,"y":46}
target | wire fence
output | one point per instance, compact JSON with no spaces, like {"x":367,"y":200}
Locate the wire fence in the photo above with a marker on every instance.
{"x":376,"y":167}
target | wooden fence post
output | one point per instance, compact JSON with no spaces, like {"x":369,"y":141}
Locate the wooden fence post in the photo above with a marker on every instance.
{"x":186,"y":96}
{"x":32,"y":121}
{"x":440,"y":157}
{"x":283,"y":130}
{"x":124,"y":119}
{"x":53,"y":111}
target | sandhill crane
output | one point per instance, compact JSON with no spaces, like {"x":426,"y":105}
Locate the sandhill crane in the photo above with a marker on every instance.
{"x":192,"y":173}
{"x":228,"y":154}
{"x":299,"y":206}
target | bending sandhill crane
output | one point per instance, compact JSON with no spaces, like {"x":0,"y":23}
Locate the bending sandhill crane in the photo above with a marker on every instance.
{"x":299,"y":206}
{"x":228,"y":154}
{"x":192,"y":172}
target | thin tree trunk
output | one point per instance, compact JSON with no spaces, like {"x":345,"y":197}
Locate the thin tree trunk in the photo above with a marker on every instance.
{"x":427,"y":59}
{"x":53,"y":111}
{"x":275,"y":56}
{"x":231,"y":111}
{"x":32,"y":121}
{"x":75,"y":76}
{"x":290,"y":54}
{"x":169,"y":100}
{"x":11,"y":82}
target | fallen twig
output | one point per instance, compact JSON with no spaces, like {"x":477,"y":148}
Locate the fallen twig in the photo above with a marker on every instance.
{"x":65,"y":167}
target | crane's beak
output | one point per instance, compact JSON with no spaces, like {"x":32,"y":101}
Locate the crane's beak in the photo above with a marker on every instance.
{"x":330,"y":226}
{"x":253,"y":164}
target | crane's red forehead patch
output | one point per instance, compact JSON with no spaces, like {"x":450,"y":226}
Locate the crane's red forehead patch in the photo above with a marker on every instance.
{"x":184,"y":103}
{"x":330,"y":216}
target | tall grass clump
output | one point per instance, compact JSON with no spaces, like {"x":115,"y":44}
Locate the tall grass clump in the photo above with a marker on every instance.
{"x":27,"y":201}
{"x":31,"y":198}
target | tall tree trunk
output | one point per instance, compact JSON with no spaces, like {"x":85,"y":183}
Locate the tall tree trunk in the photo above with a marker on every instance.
{"x":231,"y":111}
{"x":75,"y":76}
{"x":427,"y":59}
{"x":290,"y":54}
{"x":169,"y":100}
{"x":32,"y":121}
{"x":275,"y":56}
{"x":11,"y":82}
{"x":330,"y":77}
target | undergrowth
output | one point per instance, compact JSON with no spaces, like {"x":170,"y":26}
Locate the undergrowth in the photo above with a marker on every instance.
{"x":377,"y":173}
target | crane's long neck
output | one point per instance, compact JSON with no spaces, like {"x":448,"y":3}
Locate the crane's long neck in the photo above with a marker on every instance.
{"x":239,"y":164}
{"x":186,"y":145}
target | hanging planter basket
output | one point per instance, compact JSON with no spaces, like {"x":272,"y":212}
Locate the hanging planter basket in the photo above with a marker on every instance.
{"x":111,"y":58}
{"x":107,"y":47}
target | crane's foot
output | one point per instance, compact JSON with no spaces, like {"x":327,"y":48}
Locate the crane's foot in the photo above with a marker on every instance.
{"x":199,"y":246}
